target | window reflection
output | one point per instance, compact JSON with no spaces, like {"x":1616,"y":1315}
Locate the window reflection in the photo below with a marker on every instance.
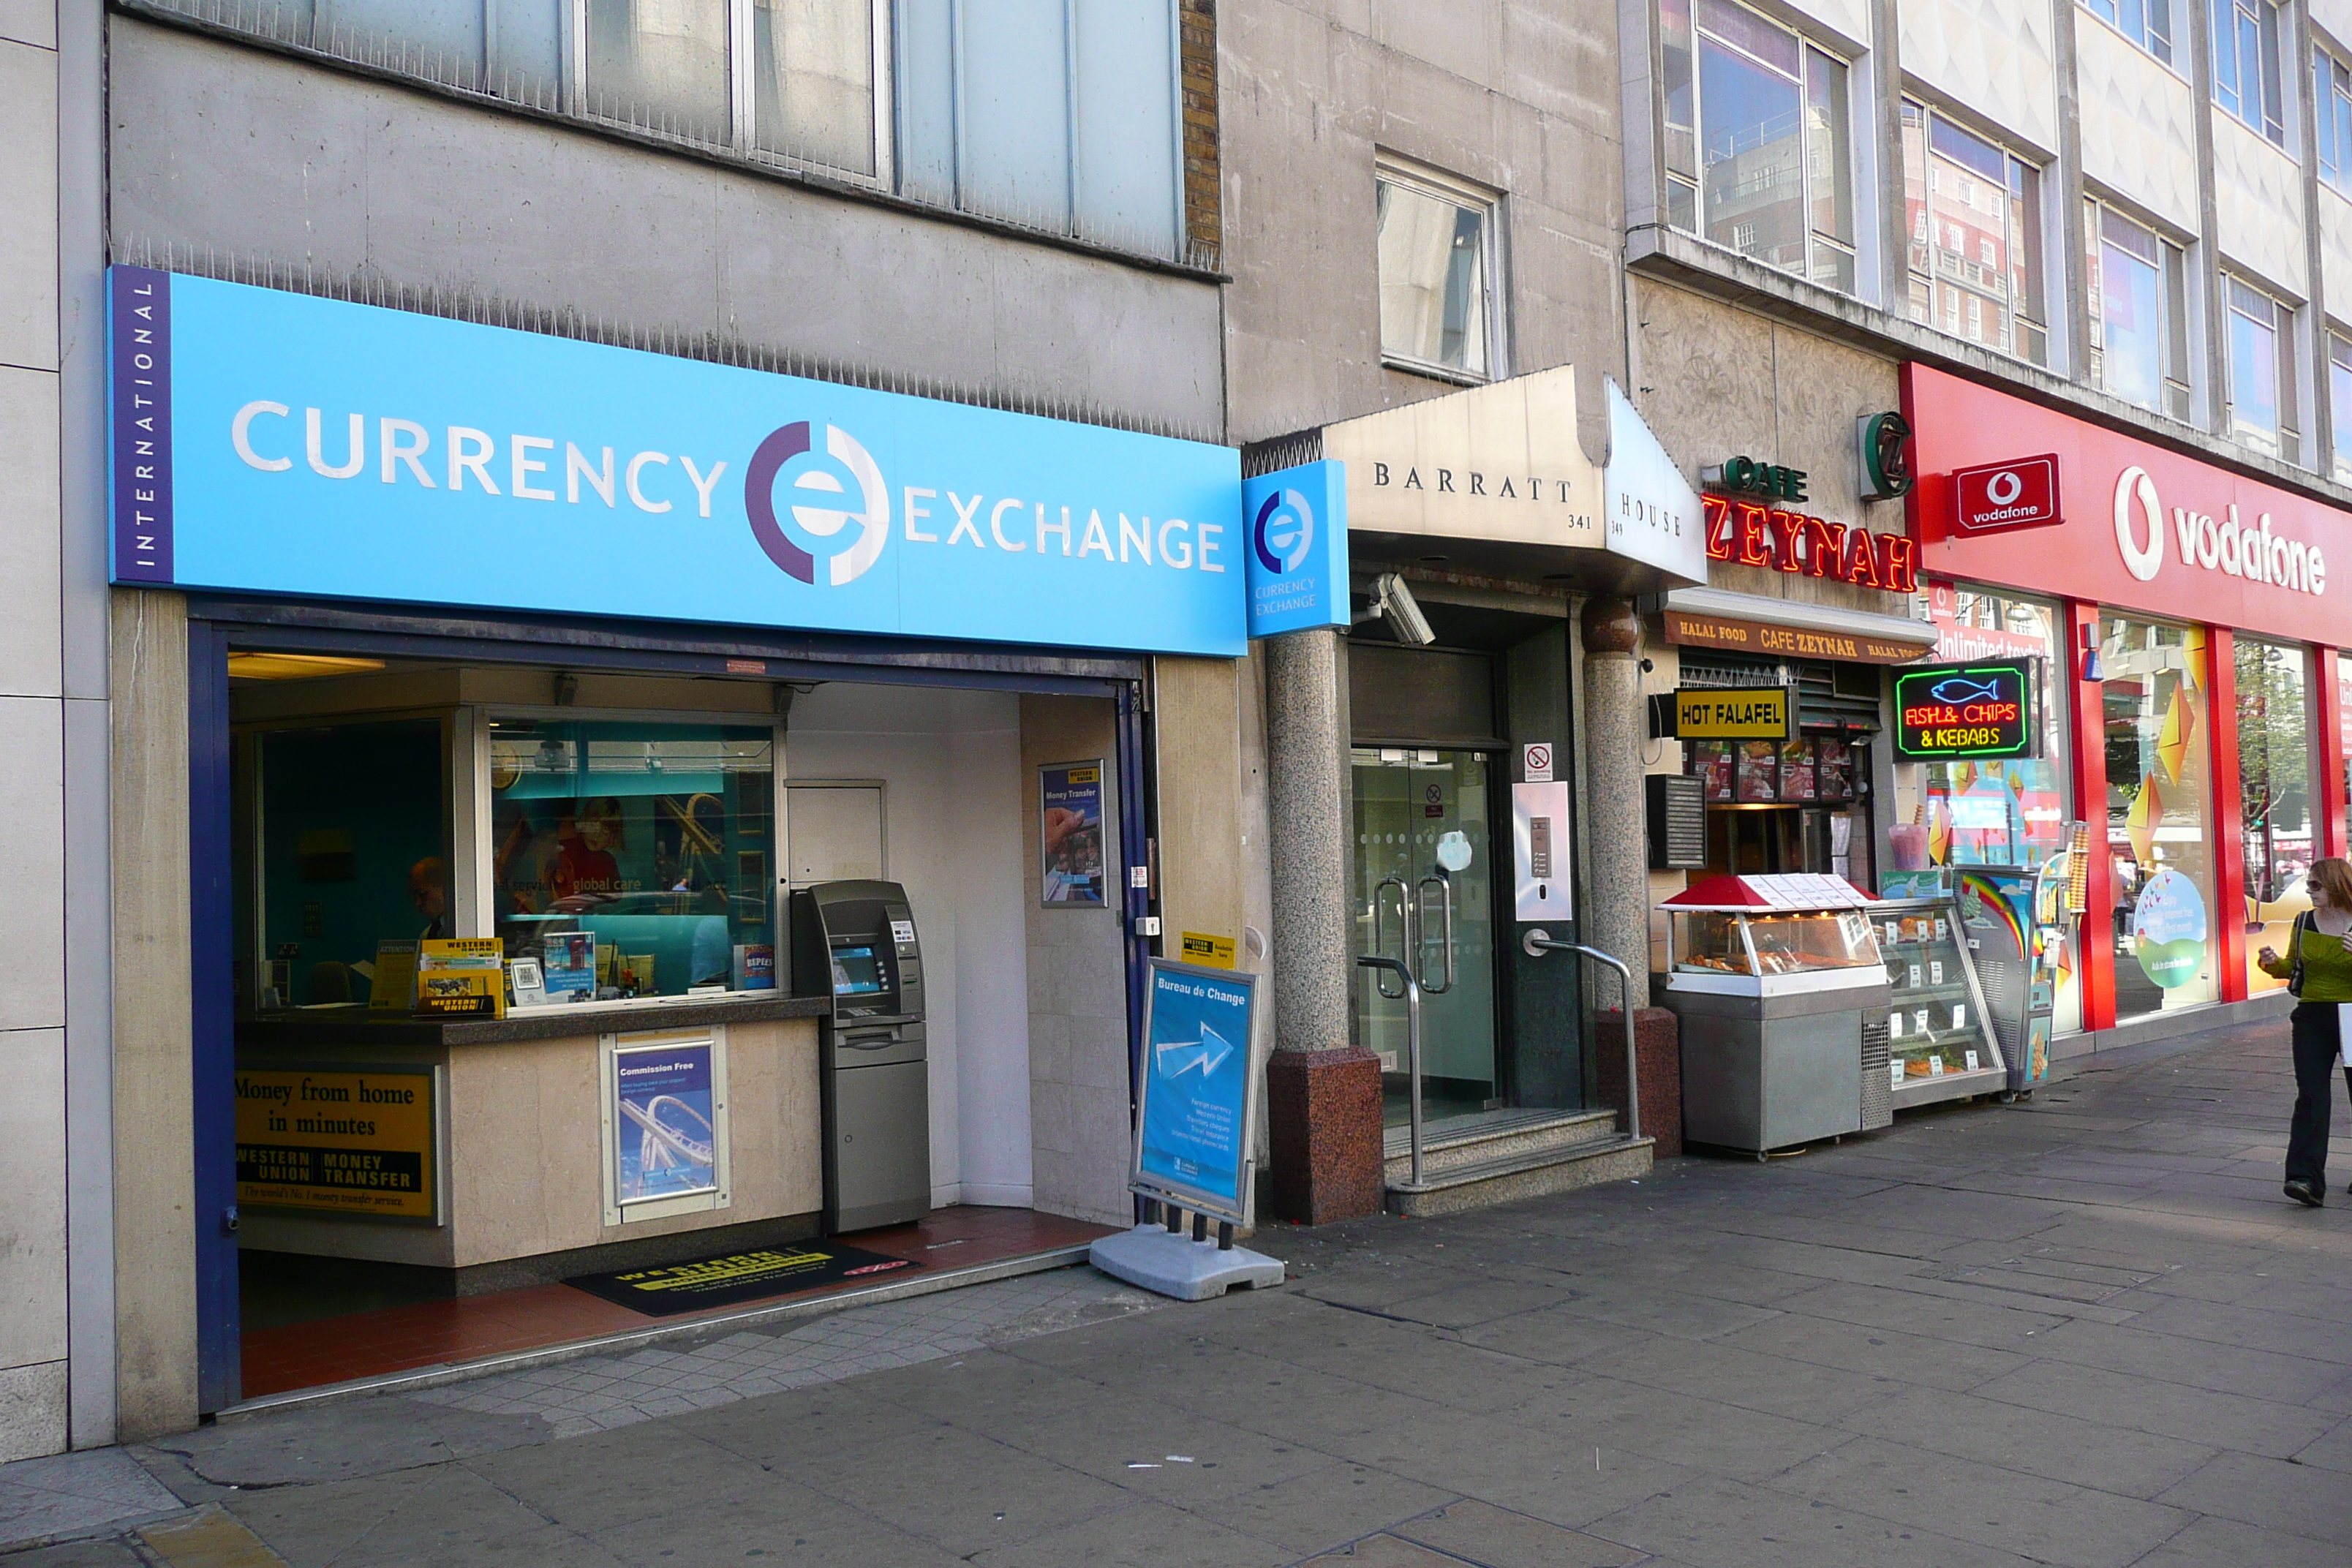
{"x":2275,"y":794}
{"x":2160,"y":813}
{"x":1432,"y":269}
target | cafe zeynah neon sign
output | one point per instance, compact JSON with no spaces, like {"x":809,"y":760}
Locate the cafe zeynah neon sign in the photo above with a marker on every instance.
{"x":1749,"y":533}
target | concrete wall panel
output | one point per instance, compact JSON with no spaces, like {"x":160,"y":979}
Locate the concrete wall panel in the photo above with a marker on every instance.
{"x":249,"y":153}
{"x":29,"y":196}
{"x":33,"y":1221}
{"x":2138,"y":137}
{"x":30,"y":535}
{"x":2336,"y":252}
{"x":2258,"y":207}
{"x":32,"y":862}
{"x":1998,"y":58}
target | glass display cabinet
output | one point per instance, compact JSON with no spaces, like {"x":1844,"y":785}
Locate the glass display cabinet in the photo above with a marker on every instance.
{"x":1781,"y":991}
{"x":1938,"y":1042}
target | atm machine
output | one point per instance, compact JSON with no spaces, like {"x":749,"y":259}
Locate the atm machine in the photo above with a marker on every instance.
{"x":872,"y":1077}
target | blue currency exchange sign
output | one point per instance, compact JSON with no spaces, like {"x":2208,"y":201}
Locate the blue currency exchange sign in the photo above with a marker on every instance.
{"x":276,"y":442}
{"x":1192,"y":1144}
{"x":1296,"y":554}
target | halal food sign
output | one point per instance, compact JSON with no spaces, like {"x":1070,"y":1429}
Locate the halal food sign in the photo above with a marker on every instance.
{"x":1956,"y":711}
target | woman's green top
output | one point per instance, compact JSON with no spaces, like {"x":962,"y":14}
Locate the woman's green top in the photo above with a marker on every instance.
{"x":2326,"y":967}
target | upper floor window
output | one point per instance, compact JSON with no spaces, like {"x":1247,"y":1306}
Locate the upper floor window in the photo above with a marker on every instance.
{"x":1436,"y":274}
{"x":2147,"y":23}
{"x":2246,"y":64}
{"x":2138,"y":311}
{"x":2262,"y":372}
{"x":2331,"y":98}
{"x":1974,"y":216}
{"x":1759,"y":141}
{"x":1059,"y":114}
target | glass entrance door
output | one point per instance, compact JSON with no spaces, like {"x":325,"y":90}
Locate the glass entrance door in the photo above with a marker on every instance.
{"x":1425,"y":836}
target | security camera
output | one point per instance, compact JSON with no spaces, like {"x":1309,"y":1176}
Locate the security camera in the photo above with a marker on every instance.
{"x":1393,"y":603}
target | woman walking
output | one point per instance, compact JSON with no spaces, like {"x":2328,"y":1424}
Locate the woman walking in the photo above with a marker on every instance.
{"x":2318,"y":971}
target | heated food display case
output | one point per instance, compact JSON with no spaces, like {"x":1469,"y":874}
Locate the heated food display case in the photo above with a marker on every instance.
{"x":1782,"y":994}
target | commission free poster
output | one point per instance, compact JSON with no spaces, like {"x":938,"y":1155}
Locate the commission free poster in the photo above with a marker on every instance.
{"x":665,"y":1143}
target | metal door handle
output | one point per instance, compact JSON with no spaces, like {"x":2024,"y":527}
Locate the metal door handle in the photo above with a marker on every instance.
{"x":1405,"y":924}
{"x":1445,"y":903}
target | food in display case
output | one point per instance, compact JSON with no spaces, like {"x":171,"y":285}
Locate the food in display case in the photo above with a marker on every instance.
{"x":1833,"y":770}
{"x":1769,"y":927}
{"x":1938,"y":1044}
{"x":1759,"y":770}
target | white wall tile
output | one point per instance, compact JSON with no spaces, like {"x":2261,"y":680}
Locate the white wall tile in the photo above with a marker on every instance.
{"x":2336,"y":251}
{"x":2138,"y":137}
{"x":2258,"y":207}
{"x":29,"y":538}
{"x":32,"y":862}
{"x":1995,"y":57}
{"x":33,"y":1220}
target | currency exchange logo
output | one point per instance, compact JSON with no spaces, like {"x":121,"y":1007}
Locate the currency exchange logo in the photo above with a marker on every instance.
{"x":781,"y":446}
{"x":1283,"y":531}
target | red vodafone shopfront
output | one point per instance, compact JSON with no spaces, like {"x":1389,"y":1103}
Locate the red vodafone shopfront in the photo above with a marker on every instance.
{"x":2188,"y":619}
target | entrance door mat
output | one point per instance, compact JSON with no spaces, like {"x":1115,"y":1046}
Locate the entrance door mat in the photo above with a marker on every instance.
{"x":701,"y":1283}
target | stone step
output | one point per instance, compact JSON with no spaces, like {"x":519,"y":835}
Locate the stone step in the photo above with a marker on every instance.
{"x":1463,"y":1141}
{"x":1512,"y":1177}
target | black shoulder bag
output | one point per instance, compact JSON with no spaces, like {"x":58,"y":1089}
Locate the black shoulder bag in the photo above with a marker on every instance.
{"x":2294,"y":955}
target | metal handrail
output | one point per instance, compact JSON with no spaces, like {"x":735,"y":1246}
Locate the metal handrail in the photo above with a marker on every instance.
{"x":1404,"y":971}
{"x":1537,"y":944}
{"x":1406,"y":929}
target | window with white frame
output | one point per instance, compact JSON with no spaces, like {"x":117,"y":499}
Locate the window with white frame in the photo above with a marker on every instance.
{"x":1062,"y":115}
{"x":2147,"y":23}
{"x":2262,"y":371}
{"x":2331,"y":100}
{"x":1758,"y":139}
{"x":2339,"y":403}
{"x":1973,"y":213}
{"x":1437,"y":273}
{"x":2138,"y":311}
{"x":2246,"y":79}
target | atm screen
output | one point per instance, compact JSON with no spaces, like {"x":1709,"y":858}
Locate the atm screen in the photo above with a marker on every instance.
{"x":858,"y":971}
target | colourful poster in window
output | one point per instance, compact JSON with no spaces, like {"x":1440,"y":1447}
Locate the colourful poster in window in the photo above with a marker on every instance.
{"x":1070,"y":831}
{"x":2169,"y":930}
{"x":1711,"y":760}
{"x":1797,"y":781}
{"x":665,"y":1139}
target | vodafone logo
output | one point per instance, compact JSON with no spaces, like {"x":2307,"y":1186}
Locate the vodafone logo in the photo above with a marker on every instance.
{"x":781,"y":446}
{"x":1994,"y":498}
{"x":2229,"y":545}
{"x":1283,"y":531}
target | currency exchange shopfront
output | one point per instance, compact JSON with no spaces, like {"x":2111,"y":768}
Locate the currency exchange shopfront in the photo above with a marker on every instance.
{"x":642,"y":813}
{"x":2182,"y":619}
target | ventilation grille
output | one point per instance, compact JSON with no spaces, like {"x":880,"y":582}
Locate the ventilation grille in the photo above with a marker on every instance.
{"x":1877,"y":1088}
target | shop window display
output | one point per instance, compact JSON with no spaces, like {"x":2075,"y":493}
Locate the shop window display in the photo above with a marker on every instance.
{"x":2155,"y":699}
{"x":656,"y":840}
{"x":2274,"y":795}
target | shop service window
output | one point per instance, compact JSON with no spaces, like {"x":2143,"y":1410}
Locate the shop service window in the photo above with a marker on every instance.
{"x":2147,"y":23}
{"x":1973,"y":213}
{"x":2139,"y":311}
{"x":2275,"y":760}
{"x":349,"y":848}
{"x":1439,"y":298}
{"x":648,"y":847}
{"x":2246,"y":58}
{"x":2262,"y":372}
{"x":2155,"y":704}
{"x":1758,"y":139}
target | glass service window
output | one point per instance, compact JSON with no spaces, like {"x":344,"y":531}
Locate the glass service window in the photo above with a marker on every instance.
{"x":2139,"y":313}
{"x":1759,"y":141}
{"x":2147,"y":23}
{"x":1435,"y":249}
{"x":2262,"y":372}
{"x":1974,"y":216}
{"x":2246,"y":81}
{"x":657,"y":838}
{"x":2332,"y":101}
{"x":2159,"y":814}
{"x":2274,"y":730}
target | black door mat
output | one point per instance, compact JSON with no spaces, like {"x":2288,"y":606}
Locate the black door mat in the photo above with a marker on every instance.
{"x":701,"y":1283}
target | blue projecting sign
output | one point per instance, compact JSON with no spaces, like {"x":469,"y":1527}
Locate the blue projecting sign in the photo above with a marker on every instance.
{"x":272,"y":442}
{"x":1192,"y":1137}
{"x":1296,"y":549}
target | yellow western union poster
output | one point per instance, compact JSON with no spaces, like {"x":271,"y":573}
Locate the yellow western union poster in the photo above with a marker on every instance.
{"x":336,"y":1143}
{"x":1733,"y":713}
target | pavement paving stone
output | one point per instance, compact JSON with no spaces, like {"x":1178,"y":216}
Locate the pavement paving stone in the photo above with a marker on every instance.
{"x":2273,"y":1494}
{"x":1917,"y":1307}
{"x":1385,"y":1552}
{"x":592,"y":1483}
{"x":1500,"y":1538}
{"x":1337,"y":1502}
{"x":1881,"y":1352}
{"x":114,"y":1552}
{"x":1713,"y":1522}
{"x":782,"y":1521}
{"x":2198,"y":1363}
{"x":1751,"y":1380}
{"x":2214,"y":1542}
{"x":2059,"y":1445}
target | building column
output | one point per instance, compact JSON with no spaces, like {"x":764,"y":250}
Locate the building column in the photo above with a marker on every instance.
{"x":1616,"y":893}
{"x":1323,"y":1092}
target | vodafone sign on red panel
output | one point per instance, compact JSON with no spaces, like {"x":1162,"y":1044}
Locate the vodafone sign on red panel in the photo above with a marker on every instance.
{"x":2141,"y":527}
{"x":1997,"y":497}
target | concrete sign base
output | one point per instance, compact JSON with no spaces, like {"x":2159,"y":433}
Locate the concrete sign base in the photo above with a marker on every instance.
{"x":1175,"y":1265}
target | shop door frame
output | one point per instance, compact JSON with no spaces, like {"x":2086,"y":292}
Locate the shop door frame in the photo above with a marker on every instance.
{"x":216,"y":621}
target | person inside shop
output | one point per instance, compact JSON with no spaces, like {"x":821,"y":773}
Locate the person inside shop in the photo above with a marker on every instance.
{"x":2318,"y":971}
{"x":429,"y":889}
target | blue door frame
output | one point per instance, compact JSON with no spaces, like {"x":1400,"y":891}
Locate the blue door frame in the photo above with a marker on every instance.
{"x":294,"y":628}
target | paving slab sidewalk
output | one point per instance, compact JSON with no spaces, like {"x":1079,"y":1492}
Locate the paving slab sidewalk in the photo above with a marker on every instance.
{"x":2085,"y":1329}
